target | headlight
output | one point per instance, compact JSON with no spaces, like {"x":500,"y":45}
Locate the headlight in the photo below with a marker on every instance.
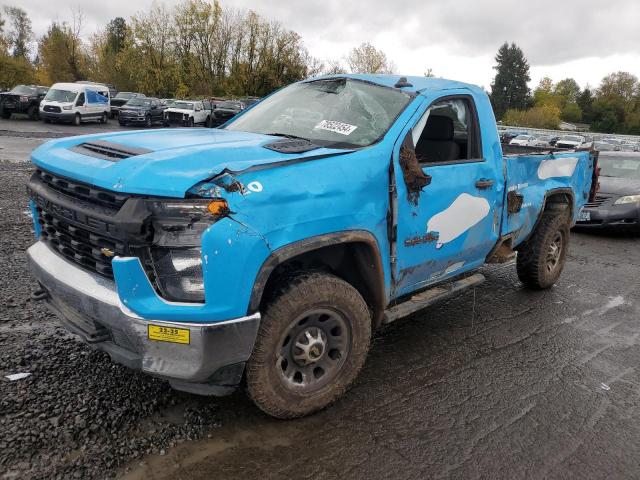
{"x":67,"y":107}
{"x":176,"y":252}
{"x":627,"y":199}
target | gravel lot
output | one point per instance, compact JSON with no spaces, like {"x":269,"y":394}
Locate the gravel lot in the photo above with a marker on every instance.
{"x":499,"y":382}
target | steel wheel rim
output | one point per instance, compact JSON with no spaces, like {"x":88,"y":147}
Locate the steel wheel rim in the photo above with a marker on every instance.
{"x":554,"y":254}
{"x":313,"y":349}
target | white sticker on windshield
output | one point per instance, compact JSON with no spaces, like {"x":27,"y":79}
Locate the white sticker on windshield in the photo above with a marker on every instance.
{"x":336,"y":127}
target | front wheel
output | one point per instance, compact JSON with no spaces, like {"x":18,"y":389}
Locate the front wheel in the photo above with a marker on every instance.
{"x":32,"y":112}
{"x":104,"y":118}
{"x":77,"y":120}
{"x":313,"y":341}
{"x":542,"y":257}
{"x":147,"y":121}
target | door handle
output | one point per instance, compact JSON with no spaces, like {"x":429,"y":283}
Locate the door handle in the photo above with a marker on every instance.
{"x":484,"y":183}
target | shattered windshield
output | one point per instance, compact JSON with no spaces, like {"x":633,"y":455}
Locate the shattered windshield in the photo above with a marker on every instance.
{"x":337,"y":112}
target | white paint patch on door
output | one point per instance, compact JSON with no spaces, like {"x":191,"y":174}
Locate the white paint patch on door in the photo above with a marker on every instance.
{"x":465,"y":212}
{"x":557,"y":167}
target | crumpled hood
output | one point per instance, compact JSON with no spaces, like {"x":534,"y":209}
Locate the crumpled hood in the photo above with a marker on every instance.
{"x":179,"y":110}
{"x":619,"y":186}
{"x":178,"y":158}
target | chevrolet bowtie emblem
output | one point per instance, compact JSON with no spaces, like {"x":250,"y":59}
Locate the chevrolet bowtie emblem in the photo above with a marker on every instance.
{"x":107,"y":252}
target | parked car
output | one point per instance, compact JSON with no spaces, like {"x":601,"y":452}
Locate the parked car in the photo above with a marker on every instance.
{"x":76,"y":103}
{"x":617,"y":203}
{"x":570,"y":141}
{"x":506,"y":136}
{"x":605,"y":146}
{"x":543,"y":141}
{"x":141,"y":111}
{"x":120,"y":99}
{"x":187,"y":113}
{"x":226,"y":110}
{"x":522,"y":140}
{"x":22,"y":99}
{"x":268,"y":251}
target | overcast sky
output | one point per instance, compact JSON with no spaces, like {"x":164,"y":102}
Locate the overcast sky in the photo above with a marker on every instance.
{"x":583,"y":39}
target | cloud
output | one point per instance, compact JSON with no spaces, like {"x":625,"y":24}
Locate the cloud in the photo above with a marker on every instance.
{"x":419,"y":34}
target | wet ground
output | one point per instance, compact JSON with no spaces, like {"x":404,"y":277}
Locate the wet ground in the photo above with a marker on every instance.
{"x":498,"y":382}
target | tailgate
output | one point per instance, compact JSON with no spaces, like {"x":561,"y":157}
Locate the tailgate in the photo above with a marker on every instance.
{"x":531,"y":177}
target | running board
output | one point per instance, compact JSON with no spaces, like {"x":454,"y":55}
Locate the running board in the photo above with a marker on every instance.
{"x":430,"y":296}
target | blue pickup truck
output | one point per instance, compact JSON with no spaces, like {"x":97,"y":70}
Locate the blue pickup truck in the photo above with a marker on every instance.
{"x":266,"y":251}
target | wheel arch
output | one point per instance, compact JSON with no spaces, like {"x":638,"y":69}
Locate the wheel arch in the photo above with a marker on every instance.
{"x":351,"y":255}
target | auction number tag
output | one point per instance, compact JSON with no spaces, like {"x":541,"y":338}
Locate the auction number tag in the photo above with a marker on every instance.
{"x":168,"y":334}
{"x":336,"y":127}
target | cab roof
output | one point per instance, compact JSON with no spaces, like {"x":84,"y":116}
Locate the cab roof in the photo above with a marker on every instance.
{"x":418,"y":84}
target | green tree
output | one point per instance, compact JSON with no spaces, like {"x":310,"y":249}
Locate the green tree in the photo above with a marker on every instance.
{"x":585,"y":102}
{"x":20,"y":32}
{"x":568,"y":90}
{"x":509,"y":88}
{"x":61,"y":55}
{"x":546,"y":116}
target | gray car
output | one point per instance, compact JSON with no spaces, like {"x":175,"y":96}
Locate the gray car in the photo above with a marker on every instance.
{"x":617,"y":203}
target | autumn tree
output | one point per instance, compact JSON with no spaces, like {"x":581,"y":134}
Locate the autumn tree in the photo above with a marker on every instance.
{"x":368,"y":59}
{"x":509,"y":88}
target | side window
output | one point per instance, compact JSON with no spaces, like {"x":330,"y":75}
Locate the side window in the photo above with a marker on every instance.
{"x":80,"y":100}
{"x":448,"y":132}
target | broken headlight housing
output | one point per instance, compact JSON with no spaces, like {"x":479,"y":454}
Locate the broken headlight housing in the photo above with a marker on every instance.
{"x":176,"y":253}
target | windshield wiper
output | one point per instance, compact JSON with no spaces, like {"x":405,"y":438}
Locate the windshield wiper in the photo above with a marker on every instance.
{"x":286,"y":135}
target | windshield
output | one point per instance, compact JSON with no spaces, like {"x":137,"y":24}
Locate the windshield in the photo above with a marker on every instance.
{"x":523,"y":137}
{"x":23,"y":90}
{"x":139,"y":102}
{"x":326,"y":112}
{"x":56,"y":95}
{"x":620,"y":167}
{"x":233,"y":105}
{"x":572,"y":138}
{"x":182,"y":105}
{"x":124,"y":95}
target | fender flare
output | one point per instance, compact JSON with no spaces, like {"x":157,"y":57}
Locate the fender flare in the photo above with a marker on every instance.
{"x":299,"y":247}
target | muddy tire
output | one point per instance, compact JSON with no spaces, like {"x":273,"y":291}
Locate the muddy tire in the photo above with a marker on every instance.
{"x":312,"y":342}
{"x":542,"y":257}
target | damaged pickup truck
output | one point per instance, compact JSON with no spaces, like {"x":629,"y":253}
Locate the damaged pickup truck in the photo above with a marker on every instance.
{"x":267,"y":251}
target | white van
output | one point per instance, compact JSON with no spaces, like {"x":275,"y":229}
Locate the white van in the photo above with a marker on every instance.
{"x":76,"y":103}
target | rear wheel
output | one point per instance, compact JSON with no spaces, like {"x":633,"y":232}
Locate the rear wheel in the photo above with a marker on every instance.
{"x":542,"y":257}
{"x":313,"y":341}
{"x":77,"y":120}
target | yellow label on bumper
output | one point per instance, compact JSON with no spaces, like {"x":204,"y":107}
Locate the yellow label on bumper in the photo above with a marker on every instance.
{"x":168,"y":334}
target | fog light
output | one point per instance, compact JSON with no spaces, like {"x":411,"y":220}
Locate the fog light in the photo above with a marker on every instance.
{"x":179,"y":273}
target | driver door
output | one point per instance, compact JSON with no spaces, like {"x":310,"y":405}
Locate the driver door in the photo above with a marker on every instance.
{"x":450,"y":224}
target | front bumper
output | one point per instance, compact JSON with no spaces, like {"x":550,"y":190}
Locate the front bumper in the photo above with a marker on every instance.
{"x":59,"y":116}
{"x":88,"y":305}
{"x":625,"y":217}
{"x":126,"y":118}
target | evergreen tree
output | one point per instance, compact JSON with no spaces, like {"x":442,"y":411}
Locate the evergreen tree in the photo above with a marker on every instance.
{"x":585,"y":102}
{"x":509,"y":88}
